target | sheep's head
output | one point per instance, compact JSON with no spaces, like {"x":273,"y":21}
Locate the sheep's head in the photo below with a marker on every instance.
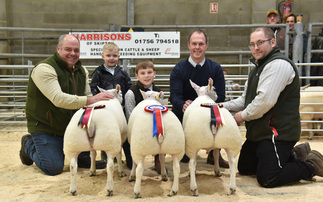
{"x":208,"y":90}
{"x":115,"y":92}
{"x":152,"y":95}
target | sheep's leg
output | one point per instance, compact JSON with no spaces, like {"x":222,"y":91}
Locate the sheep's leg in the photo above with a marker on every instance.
{"x":192,"y":169}
{"x":162,"y":165}
{"x":310,"y":135}
{"x":216,"y":155}
{"x":132,"y":176}
{"x":176,"y":170}
{"x":73,"y":172}
{"x":139,"y":172}
{"x":120,"y":166}
{"x":319,"y":125}
{"x":316,"y":125}
{"x":93,"y":166}
{"x":232,"y":165}
{"x":110,"y":168}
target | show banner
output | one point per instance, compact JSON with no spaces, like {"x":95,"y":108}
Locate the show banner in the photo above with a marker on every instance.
{"x":131,"y":44}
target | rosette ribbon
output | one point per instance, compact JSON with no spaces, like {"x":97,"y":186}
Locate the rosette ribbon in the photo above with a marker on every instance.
{"x":85,"y":119}
{"x":158,"y":126}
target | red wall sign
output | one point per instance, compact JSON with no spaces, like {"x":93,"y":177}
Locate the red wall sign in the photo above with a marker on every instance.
{"x":214,"y":8}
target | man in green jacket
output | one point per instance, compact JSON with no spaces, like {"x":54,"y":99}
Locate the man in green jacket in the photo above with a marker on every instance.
{"x":270,"y":108}
{"x":57,"y":87}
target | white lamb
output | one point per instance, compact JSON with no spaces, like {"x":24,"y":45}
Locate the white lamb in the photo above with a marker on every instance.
{"x":199,"y":135}
{"x":107,"y":131}
{"x":140,"y":137}
{"x":313,"y":97}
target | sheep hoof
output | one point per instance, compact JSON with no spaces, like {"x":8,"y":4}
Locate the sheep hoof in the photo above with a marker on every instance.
{"x":231,"y":191}
{"x":122,"y":174}
{"x":172,"y":193}
{"x":164,"y":178}
{"x":110,"y":193}
{"x":74,"y":193}
{"x":132,"y":178}
{"x":194,"y":192}
{"x":310,"y":138}
{"x":92,"y":173}
{"x":217,"y":173}
{"x":137,"y":195}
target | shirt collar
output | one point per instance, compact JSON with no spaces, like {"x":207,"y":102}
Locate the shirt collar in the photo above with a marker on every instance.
{"x":193,"y":63}
{"x":110,"y":69}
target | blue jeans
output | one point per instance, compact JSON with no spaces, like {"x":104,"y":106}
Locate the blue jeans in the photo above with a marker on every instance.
{"x":47,"y":152}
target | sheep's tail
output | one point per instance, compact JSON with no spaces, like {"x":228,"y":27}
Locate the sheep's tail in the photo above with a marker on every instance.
{"x":160,"y":139}
{"x":213,"y":130}
{"x":91,"y":134}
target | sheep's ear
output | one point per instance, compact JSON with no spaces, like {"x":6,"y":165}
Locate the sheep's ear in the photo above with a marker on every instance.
{"x":193,"y":84}
{"x":101,"y":89}
{"x":209,"y":86}
{"x":161,"y":95}
{"x":143,"y":94}
{"x":118,"y":88}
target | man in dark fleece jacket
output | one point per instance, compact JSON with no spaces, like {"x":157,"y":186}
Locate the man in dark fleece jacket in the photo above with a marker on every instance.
{"x":270,"y":108}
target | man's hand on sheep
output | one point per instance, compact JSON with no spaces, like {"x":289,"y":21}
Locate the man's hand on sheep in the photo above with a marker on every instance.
{"x":238,"y":118}
{"x":99,"y":97}
{"x":187,"y":103}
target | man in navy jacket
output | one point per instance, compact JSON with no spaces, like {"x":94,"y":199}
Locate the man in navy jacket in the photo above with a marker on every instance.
{"x":199,"y":69}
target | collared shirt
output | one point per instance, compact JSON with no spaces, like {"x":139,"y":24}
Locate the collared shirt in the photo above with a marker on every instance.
{"x":194,"y":63}
{"x":45,"y":78}
{"x":110,"y":69}
{"x":130,"y":101}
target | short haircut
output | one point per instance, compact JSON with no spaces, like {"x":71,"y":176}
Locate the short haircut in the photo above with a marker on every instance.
{"x":62,"y":37}
{"x":144,"y":64}
{"x":198,"y":31}
{"x":269,"y":33}
{"x":111,"y":46}
{"x":289,"y":15}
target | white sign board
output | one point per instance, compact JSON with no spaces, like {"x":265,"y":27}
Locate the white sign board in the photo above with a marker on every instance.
{"x":131,"y":44}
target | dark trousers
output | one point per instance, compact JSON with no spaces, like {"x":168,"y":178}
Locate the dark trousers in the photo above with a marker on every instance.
{"x":126,"y":150}
{"x":272,"y":163}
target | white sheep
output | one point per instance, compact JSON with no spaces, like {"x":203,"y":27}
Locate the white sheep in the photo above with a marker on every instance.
{"x":206,"y":94}
{"x":199,"y":135}
{"x":313,"y":97}
{"x":107,"y":131}
{"x":140,"y":137}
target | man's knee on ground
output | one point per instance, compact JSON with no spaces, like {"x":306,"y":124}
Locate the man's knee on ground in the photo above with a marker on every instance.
{"x":54,"y":169}
{"x":246,"y":171}
{"x":267,"y":182}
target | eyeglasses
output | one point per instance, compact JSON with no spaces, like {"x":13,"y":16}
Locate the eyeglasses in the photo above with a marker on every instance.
{"x":259,"y":43}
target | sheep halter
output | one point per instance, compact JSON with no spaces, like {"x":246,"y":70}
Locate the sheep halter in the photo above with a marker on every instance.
{"x":85,"y":119}
{"x":216,"y":117}
{"x":158,"y":126}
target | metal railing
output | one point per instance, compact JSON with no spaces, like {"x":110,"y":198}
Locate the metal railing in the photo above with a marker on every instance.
{"x":13,"y":86}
